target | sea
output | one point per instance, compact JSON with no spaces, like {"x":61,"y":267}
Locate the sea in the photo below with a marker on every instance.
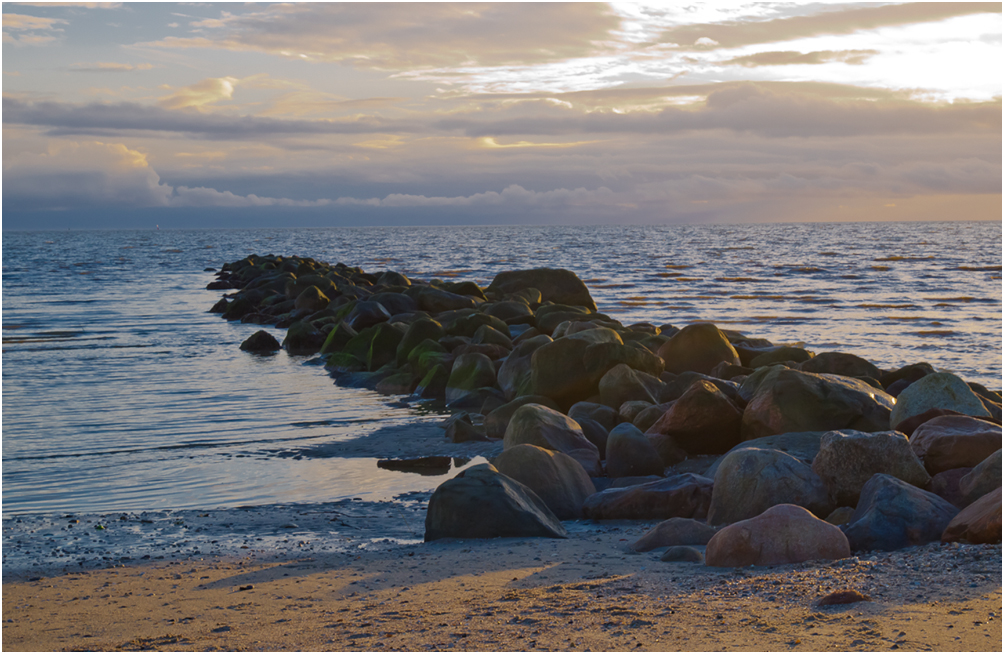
{"x":122,"y":392}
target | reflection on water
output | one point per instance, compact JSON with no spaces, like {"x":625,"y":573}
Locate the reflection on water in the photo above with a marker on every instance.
{"x":120,"y":391}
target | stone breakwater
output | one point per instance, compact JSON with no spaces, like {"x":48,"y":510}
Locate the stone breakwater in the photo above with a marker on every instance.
{"x":760,"y":453}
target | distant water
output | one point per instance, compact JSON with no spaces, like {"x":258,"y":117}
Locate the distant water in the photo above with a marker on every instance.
{"x":120,"y":391}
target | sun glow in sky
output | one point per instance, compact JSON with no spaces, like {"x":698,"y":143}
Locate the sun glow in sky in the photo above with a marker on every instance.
{"x":380,"y":113}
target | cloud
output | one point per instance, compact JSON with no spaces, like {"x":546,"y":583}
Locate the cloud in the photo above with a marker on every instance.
{"x":21,"y":29}
{"x":206,"y":92}
{"x":406,"y":36}
{"x":847,"y":19}
{"x":108,"y":67}
{"x":511,"y":195}
{"x":789,"y":57}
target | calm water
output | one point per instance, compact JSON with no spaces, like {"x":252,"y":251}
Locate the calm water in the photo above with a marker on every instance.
{"x":121,"y":392}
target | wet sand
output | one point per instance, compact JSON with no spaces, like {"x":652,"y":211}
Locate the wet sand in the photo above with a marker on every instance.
{"x":310,"y":591}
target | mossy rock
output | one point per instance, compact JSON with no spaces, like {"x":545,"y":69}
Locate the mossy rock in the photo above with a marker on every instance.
{"x":422,"y":329}
{"x":384,"y":345}
{"x":434,"y":383}
{"x":344,"y":363}
{"x":338,"y":338}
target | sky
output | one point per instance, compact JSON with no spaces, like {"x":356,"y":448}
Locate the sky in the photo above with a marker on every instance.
{"x":314,"y":114}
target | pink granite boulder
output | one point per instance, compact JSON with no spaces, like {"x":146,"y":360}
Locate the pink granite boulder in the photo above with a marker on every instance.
{"x":949,"y":442}
{"x":979,"y":523}
{"x":784,"y":534}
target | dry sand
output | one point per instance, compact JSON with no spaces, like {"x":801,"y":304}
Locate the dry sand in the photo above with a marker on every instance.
{"x":323,"y":583}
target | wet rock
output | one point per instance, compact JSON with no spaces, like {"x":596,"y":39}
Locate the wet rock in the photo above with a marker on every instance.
{"x":949,"y":442}
{"x":750,"y":480}
{"x":674,"y":532}
{"x":543,"y":427}
{"x":892,"y":514}
{"x":979,"y":523}
{"x":702,"y":421}
{"x":463,"y":430}
{"x":629,"y":453}
{"x":498,"y":419}
{"x":397,"y":384}
{"x":698,"y":347}
{"x":840,"y":364}
{"x":686,"y":495}
{"x":983,"y":479}
{"x":434,"y":383}
{"x":338,"y":338}
{"x":469,"y":373}
{"x":622,"y":384}
{"x":556,"y":478}
{"x":783,"y":534}
{"x":682,"y":554}
{"x":384,"y":345}
{"x":848,"y":459}
{"x":261,"y":341}
{"x":303,"y":339}
{"x":481,"y":503}
{"x":787,"y":400}
{"x":937,"y":391}
{"x":555,"y":285}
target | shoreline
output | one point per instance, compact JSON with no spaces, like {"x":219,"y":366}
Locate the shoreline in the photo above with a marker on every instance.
{"x":583,"y":593}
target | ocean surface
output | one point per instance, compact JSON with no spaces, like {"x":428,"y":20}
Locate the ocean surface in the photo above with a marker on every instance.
{"x":121,"y":391}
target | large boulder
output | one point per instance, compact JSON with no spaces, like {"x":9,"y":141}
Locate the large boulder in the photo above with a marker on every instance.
{"x":260,"y":342}
{"x":750,"y":480}
{"x":544,"y":427}
{"x":779,"y":355}
{"x":498,"y":419}
{"x":302,"y":338}
{"x":622,"y":384}
{"x":420,"y":330}
{"x":703,"y":421}
{"x":602,"y":414}
{"x":469,"y":373}
{"x":384,"y":345}
{"x":983,"y":479}
{"x":979,"y":523}
{"x":556,"y":478}
{"x":848,"y":459}
{"x":482,"y":503}
{"x":840,"y":364}
{"x":515,"y":373}
{"x":311,"y":300}
{"x":783,"y":534}
{"x":698,"y":347}
{"x":892,"y":514}
{"x":949,"y":442}
{"x":555,"y":285}
{"x":787,"y":400}
{"x":366,"y":313}
{"x":674,"y":532}
{"x":435,"y":301}
{"x":686,"y":495}
{"x":629,"y":453}
{"x":804,"y":446}
{"x":941,"y":390}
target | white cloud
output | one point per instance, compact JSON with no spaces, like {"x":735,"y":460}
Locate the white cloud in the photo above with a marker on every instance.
{"x":206,"y":92}
{"x":511,"y":195}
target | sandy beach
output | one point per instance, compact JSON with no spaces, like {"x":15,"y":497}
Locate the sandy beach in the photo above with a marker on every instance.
{"x":321,"y":577}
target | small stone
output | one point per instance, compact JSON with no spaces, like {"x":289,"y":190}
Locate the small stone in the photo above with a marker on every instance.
{"x":682,"y":554}
{"x":843,"y":597}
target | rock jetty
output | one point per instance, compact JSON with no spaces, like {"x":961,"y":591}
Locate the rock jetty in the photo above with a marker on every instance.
{"x":768,"y":453}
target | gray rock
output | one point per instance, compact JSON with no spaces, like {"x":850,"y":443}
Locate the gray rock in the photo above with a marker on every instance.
{"x":848,"y":459}
{"x":543,"y":427}
{"x":629,"y":453}
{"x":555,"y":477}
{"x":686,"y":495}
{"x":937,"y":391}
{"x":893,"y":514}
{"x":682,"y":554}
{"x":674,"y":532}
{"x":983,"y":479}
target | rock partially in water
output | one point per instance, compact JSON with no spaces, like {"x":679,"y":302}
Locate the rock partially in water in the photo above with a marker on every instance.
{"x":261,"y":341}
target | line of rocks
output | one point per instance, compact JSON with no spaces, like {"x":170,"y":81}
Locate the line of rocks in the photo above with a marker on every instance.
{"x":767,"y":453}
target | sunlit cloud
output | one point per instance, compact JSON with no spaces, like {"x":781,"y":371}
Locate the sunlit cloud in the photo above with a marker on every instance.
{"x":791,"y":58}
{"x":202,"y":93}
{"x":21,"y":29}
{"x":108,"y":67}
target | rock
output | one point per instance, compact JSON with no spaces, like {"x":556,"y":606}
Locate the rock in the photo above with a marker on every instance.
{"x":686,"y":495}
{"x":427,"y":355}
{"x":946,"y":485}
{"x":783,"y":534}
{"x":804,"y":446}
{"x":698,"y":347}
{"x":543,"y":427}
{"x":622,"y":384}
{"x":434,"y":383}
{"x":338,"y":338}
{"x":674,"y":532}
{"x":393,"y":279}
{"x":979,"y":523}
{"x":843,"y":597}
{"x":629,"y":453}
{"x":366,"y":313}
{"x":602,"y":414}
{"x":632,"y":408}
{"x":848,"y":459}
{"x":908,"y":426}
{"x":260,"y":342}
{"x":469,"y":373}
{"x":787,"y":400}
{"x":466,"y":323}
{"x":302,"y":339}
{"x":892,"y":514}
{"x":395,"y":303}
{"x":510,"y":311}
{"x":486,"y":334}
{"x":398,"y":384}
{"x":435,"y":465}
{"x":419,"y":331}
{"x":682,"y":554}
{"x":982,"y":479}
{"x":727,"y":371}
{"x":555,"y":285}
{"x":498,"y":419}
{"x":840,"y":516}
{"x":515,"y":373}
{"x":949,"y":442}
{"x":750,"y":480}
{"x":384,"y":345}
{"x":435,"y":300}
{"x":311,"y":300}
{"x":702,"y":421}
{"x":596,"y":434}
{"x":556,"y":478}
{"x":780,"y":355}
{"x":937,"y":391}
{"x":910,"y":373}
{"x":461,"y":431}
{"x":558,"y":371}
{"x":481,"y":503}
{"x":840,"y":364}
